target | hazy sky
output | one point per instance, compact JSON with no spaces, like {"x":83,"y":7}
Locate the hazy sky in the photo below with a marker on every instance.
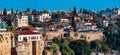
{"x":58,"y":4}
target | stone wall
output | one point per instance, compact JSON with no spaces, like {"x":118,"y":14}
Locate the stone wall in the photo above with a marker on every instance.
{"x":26,"y":48}
{"x":40,"y":47}
{"x":5,"y":45}
{"x":90,"y":36}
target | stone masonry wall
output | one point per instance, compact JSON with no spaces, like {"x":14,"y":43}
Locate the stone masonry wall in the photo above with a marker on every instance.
{"x":5,"y":45}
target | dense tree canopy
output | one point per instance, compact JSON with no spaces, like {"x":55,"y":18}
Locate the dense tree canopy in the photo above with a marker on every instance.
{"x":95,"y":44}
{"x":81,"y":47}
{"x":66,"y":50}
{"x":55,"y":48}
{"x":57,"y":40}
{"x":109,"y":34}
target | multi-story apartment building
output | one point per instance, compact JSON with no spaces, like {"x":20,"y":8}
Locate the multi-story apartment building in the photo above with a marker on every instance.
{"x":40,"y":18}
{"x":86,"y":26}
{"x":21,"y":20}
{"x":29,"y":41}
{"x":44,"y":17}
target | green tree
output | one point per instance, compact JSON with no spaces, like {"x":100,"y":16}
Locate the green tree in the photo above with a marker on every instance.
{"x":110,"y":29}
{"x":96,"y":45}
{"x":50,"y":22}
{"x":99,"y":24}
{"x":73,"y":24}
{"x":66,"y":50}
{"x":11,"y":29}
{"x":35,"y":12}
{"x":63,"y":13}
{"x":74,"y":11}
{"x":105,"y":48}
{"x":110,"y":38}
{"x":57,"y":40}
{"x":1,"y":38}
{"x":56,"y":16}
{"x":73,"y":20}
{"x":81,"y":47}
{"x":44,"y":34}
{"x":28,"y":9}
{"x":65,"y":53}
{"x":45,"y":11}
{"x":25,"y":39}
{"x":108,"y":10}
{"x":4,"y":12}
{"x":12,"y":11}
{"x":65,"y":41}
{"x":55,"y":48}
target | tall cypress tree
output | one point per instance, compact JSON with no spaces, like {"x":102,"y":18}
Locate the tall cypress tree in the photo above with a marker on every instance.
{"x":28,"y":9}
{"x":73,"y":24}
{"x":74,"y":11}
{"x":73,"y":20}
{"x":5,"y":12}
{"x":12,"y":11}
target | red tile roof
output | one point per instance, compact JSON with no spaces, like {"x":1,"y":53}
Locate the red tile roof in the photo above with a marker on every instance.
{"x":68,"y":16}
{"x":31,"y":31}
{"x":51,"y":26}
{"x":29,"y":27}
{"x":28,"y":32}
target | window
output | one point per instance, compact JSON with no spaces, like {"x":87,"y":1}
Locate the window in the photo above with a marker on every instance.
{"x":40,"y":37}
{"x":29,"y":37}
{"x":33,"y":37}
{"x":20,"y":38}
{"x":37,"y":37}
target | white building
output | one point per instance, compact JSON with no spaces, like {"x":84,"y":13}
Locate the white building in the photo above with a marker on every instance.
{"x":21,"y":20}
{"x":28,"y":32}
{"x":44,"y":17}
{"x":119,"y":12}
{"x":63,"y":20}
{"x":41,"y":18}
{"x":31,"y":17}
{"x":86,"y":26}
{"x":34,"y":44}
{"x":30,"y":36}
{"x":9,"y":12}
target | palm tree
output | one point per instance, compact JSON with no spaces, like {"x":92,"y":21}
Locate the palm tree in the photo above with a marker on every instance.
{"x":1,"y":38}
